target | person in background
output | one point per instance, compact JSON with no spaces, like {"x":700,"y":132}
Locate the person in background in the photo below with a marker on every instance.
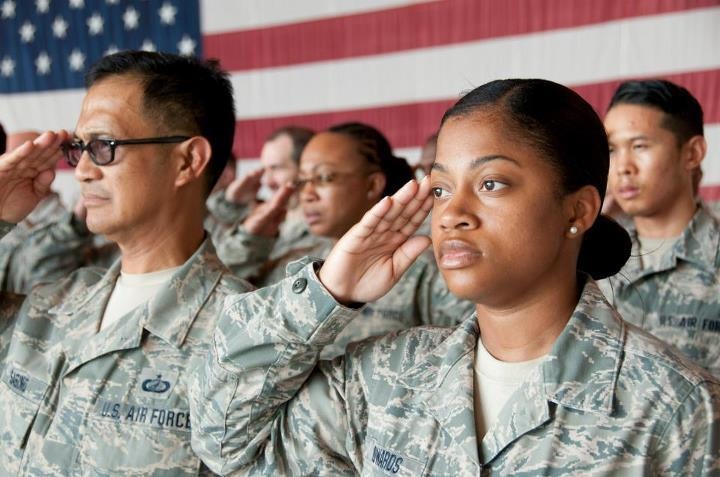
{"x":279,"y":161}
{"x":670,"y":286}
{"x":95,"y":367}
{"x":344,"y":171}
{"x":545,"y":378}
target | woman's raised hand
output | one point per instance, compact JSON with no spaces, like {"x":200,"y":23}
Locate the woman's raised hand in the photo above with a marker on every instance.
{"x":372,"y":256}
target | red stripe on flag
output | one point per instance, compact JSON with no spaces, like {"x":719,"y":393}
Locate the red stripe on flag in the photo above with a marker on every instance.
{"x":408,"y":125}
{"x":710,"y":193}
{"x":419,"y":26}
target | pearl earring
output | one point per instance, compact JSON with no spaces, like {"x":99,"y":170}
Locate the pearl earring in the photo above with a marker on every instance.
{"x":573,"y":230}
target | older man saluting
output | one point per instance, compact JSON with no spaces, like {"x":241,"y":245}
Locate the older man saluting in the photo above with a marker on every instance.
{"x":94,"y":367}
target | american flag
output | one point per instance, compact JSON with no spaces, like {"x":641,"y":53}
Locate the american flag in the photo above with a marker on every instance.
{"x":396,"y":64}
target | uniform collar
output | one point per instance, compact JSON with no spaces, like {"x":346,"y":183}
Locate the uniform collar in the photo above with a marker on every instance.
{"x":582,"y":368}
{"x":698,"y":245}
{"x":169,"y":314}
{"x":580,"y":371}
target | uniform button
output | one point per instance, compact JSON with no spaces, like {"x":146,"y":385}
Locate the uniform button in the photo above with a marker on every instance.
{"x":299,"y":285}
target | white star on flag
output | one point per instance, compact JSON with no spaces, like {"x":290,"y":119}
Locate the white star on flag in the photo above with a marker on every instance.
{"x":27,"y":32}
{"x":186,"y":46}
{"x":131,"y":18}
{"x":147,"y":45}
{"x":42,"y":6}
{"x":112,"y":49}
{"x":7,"y":67}
{"x":112,"y":2}
{"x":77,"y":3}
{"x":95,"y":24}
{"x":42,"y":63}
{"x":167,"y":13}
{"x":59,"y":27}
{"x":76,"y":60}
{"x":8,"y":9}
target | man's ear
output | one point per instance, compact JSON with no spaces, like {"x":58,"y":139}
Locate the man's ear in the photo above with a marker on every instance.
{"x":693,"y":152}
{"x":193,"y":158}
{"x":581,"y":208}
{"x":376,"y":186}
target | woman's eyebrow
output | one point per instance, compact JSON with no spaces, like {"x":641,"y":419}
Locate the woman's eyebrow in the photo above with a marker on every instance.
{"x":477,"y":162}
{"x":480,"y":161}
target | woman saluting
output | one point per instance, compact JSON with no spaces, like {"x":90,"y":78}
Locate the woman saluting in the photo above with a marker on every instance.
{"x":544,"y":379}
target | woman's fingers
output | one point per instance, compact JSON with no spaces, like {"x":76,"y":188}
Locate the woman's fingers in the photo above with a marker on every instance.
{"x":408,"y":252}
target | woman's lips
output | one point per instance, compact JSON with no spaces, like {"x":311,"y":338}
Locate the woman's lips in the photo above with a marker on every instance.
{"x":457,"y":254}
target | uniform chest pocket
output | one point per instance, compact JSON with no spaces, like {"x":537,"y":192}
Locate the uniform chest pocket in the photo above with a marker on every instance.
{"x":21,"y":395}
{"x":133,"y":439}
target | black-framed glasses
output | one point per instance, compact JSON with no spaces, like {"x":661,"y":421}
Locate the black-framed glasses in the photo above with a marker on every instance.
{"x":102,"y":151}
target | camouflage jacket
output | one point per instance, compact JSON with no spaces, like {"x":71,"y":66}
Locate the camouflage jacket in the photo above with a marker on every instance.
{"x":78,"y":401}
{"x":29,"y":254}
{"x":419,"y":298}
{"x":608,"y":398}
{"x":260,"y":259}
{"x":679,"y":301}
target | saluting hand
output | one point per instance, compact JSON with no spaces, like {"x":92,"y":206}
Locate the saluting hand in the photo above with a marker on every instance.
{"x":372,"y":256}
{"x":26,"y":174}
{"x":244,"y":190}
{"x":266,"y":218}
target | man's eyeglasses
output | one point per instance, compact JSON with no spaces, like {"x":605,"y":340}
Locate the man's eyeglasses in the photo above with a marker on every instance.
{"x":102,"y":151}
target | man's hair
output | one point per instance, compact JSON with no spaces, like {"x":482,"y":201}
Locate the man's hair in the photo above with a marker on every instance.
{"x":683,"y":113}
{"x":299,"y":136}
{"x":3,"y":140}
{"x":185,"y":96}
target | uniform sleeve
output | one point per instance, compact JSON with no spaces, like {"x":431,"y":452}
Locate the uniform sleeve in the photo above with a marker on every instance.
{"x":49,"y":253}
{"x":263,"y":404}
{"x":689,"y":445}
{"x":244,"y":253}
{"x":224,"y":211}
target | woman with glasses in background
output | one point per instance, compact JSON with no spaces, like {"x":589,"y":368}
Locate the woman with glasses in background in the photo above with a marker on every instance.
{"x":344,"y":171}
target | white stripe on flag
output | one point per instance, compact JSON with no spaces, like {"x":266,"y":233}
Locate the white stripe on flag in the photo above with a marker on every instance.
{"x":656,"y":45}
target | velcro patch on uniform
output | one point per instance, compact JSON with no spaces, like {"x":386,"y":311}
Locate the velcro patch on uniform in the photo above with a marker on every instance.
{"x":153,"y":416}
{"x":391,"y":462}
{"x":23,"y":383}
{"x":156,"y":383}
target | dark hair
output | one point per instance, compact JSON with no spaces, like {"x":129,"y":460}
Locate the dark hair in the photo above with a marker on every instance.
{"x":683,"y":113}
{"x":299,"y":136}
{"x":3,"y":139}
{"x":570,"y":135}
{"x":184,"y":94}
{"x":376,"y":149}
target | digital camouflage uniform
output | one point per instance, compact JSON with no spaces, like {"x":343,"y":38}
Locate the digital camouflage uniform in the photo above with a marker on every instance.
{"x":78,"y":401}
{"x":28,"y":254}
{"x":608,"y":398}
{"x":420,"y":297}
{"x":679,"y":301}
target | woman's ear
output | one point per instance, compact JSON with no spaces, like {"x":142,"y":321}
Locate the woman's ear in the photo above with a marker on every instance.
{"x":376,"y":186}
{"x":581,"y":208}
{"x":193,"y":157}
